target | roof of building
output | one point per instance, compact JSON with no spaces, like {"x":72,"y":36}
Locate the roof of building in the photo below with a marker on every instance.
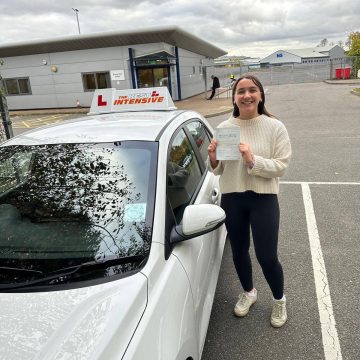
{"x":326,"y":48}
{"x":307,"y":52}
{"x":172,"y":35}
{"x":316,"y":52}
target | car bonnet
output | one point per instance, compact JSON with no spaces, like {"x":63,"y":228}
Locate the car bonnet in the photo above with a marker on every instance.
{"x":77,"y":323}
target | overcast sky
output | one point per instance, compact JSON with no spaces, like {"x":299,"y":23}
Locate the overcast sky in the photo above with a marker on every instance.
{"x":242,"y":27}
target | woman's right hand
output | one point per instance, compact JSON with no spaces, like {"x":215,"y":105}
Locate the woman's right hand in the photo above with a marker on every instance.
{"x":212,"y":153}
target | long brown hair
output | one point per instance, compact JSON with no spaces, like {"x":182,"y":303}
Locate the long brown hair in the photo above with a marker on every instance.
{"x":261,"y":106}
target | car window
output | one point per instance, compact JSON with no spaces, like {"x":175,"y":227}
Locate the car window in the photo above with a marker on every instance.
{"x":183,"y":174}
{"x":199,"y":133}
{"x":65,"y":204}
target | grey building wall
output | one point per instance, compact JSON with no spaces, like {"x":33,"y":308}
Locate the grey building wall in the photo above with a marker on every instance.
{"x":336,"y":52}
{"x":285,"y":58}
{"x":192,"y":80}
{"x":64,"y":87}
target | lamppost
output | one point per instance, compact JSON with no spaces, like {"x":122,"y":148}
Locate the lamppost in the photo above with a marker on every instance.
{"x":4,"y":112}
{"x":77,"y":18}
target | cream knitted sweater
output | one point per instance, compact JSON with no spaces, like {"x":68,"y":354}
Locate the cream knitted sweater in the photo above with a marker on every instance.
{"x":270,"y":144}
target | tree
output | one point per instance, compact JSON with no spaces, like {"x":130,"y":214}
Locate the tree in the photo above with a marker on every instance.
{"x":323,"y":42}
{"x":353,"y":42}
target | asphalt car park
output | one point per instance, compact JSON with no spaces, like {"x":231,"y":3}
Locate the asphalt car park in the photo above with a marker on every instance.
{"x":323,"y":123}
{"x":22,"y":123}
{"x":319,"y":238}
{"x":111,"y":234}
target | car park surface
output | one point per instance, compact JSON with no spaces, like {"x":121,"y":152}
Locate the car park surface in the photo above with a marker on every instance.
{"x":113,"y":235}
{"x":323,"y":123}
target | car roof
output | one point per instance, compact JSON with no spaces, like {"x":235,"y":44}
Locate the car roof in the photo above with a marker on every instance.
{"x":144,"y":125}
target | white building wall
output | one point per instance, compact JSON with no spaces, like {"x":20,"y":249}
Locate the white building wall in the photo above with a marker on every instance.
{"x":281,"y":57}
{"x":64,"y":87}
{"x":191,"y":77}
{"x":151,"y":48}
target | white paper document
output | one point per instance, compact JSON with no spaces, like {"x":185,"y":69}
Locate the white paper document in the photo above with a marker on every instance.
{"x":228,"y":143}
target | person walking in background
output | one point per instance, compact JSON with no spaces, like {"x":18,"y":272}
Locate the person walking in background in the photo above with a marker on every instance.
{"x":249,"y":189}
{"x":232,"y":80}
{"x":215,"y":85}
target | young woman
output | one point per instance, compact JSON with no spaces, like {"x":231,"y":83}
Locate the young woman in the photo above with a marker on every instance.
{"x":249,"y":189}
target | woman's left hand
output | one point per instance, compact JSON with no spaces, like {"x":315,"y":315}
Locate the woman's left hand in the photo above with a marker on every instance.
{"x":246,"y":153}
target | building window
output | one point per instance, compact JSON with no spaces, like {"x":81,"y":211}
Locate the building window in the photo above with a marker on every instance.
{"x":17,"y":86}
{"x":97,"y":80}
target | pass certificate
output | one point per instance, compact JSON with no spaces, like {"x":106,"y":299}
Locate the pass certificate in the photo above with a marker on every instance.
{"x":228,"y":143}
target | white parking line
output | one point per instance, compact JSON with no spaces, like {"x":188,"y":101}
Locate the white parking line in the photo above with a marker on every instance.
{"x":330,"y":339}
{"x":319,"y":183}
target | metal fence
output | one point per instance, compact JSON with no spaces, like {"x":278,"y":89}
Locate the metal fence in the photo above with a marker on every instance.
{"x":6,"y":131}
{"x":286,"y":74}
{"x":2,"y":133}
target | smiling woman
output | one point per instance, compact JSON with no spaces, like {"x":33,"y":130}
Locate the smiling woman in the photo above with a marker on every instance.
{"x":250,"y":187}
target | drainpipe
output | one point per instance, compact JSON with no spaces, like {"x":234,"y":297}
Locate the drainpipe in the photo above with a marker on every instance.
{"x":132,"y":69}
{"x":178,"y":72}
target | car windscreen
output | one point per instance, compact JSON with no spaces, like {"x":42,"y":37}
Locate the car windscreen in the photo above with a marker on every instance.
{"x":73,"y":212}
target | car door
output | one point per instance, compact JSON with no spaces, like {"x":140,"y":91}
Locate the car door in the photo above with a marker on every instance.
{"x":190,"y":183}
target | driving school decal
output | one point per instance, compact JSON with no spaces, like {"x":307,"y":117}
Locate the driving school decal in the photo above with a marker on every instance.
{"x":113,"y":100}
{"x":139,"y":98}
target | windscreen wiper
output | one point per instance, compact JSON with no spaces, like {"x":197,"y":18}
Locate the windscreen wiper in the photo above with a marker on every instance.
{"x":62,"y":275}
{"x":20,"y":270}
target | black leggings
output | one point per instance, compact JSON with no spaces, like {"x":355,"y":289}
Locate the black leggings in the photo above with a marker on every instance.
{"x":261,"y":213}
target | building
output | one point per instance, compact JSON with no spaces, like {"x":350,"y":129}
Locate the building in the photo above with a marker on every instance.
{"x":317,"y":55}
{"x":63,"y":72}
{"x":251,"y":63}
{"x":236,"y":60}
{"x":229,"y":60}
{"x":227,"y":66}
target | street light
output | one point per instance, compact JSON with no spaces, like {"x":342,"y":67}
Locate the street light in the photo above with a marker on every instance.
{"x":77,"y":18}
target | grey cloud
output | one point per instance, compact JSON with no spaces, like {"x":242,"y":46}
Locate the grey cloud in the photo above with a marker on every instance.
{"x":228,"y":24}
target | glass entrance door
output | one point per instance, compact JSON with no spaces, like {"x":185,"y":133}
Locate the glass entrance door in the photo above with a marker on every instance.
{"x":153,"y":77}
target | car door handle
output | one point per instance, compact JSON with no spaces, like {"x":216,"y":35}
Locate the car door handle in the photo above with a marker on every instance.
{"x":215,"y":195}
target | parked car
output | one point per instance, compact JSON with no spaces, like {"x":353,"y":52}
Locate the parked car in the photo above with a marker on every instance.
{"x":111,"y":234}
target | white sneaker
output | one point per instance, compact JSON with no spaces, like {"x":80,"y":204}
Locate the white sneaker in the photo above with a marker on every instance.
{"x":244,"y":303}
{"x":278,"y":314}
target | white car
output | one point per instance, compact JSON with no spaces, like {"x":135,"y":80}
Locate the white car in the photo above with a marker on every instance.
{"x":111,"y":234}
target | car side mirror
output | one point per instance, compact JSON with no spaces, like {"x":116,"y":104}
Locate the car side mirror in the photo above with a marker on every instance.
{"x":197,"y":220}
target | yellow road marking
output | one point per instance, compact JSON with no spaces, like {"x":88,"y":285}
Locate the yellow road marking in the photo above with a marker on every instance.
{"x":40,"y":121}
